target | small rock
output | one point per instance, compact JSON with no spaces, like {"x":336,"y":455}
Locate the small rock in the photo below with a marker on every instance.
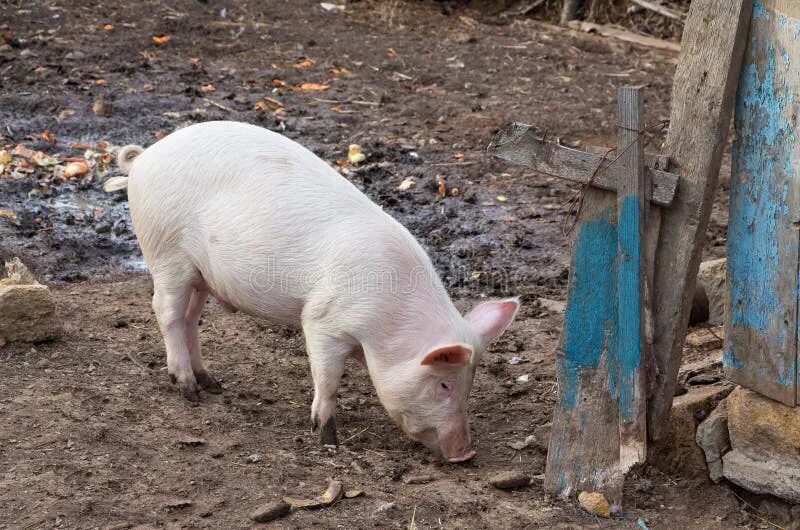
{"x":703,"y":379}
{"x":595,"y":503}
{"x":254,"y":458}
{"x":27,"y":309}
{"x":645,"y":487}
{"x":177,"y":504}
{"x":523,"y":378}
{"x":191,"y":441}
{"x":385,"y":507}
{"x":417,"y":479}
{"x":102,"y":107}
{"x":553,"y":306}
{"x":711,"y":277}
{"x":270,"y":511}
{"x":352,"y":494}
{"x":516,"y":360}
{"x":509,"y":480}
{"x":519,"y":445}
{"x":43,"y":363}
{"x":102,"y":228}
{"x":75,"y":56}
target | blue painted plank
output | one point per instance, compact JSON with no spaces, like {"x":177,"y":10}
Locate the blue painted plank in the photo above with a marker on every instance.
{"x":762,"y":327}
{"x":584,"y":440}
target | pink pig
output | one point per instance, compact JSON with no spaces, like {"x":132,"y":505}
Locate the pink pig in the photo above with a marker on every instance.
{"x":266,"y":227}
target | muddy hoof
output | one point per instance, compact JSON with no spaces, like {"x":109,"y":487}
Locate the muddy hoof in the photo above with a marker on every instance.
{"x":327,"y":435}
{"x":208,"y":383}
{"x":189,"y":392}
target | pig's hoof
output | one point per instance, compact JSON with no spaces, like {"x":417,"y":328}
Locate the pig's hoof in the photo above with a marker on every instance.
{"x":208,"y":383}
{"x":327,"y":434}
{"x":189,"y":392}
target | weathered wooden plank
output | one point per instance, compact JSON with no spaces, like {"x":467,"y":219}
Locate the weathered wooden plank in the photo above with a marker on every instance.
{"x":761,"y":333}
{"x":702,"y":103}
{"x":520,"y":144}
{"x":624,"y":35}
{"x":632,"y":202}
{"x":584,"y":442}
{"x":661,"y":10}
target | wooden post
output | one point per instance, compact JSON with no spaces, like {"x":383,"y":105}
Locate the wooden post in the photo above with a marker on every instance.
{"x":570,"y":11}
{"x":702,"y":103}
{"x":632,"y":209}
{"x":761,"y":331}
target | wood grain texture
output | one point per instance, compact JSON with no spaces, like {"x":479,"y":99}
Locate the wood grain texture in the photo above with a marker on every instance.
{"x":521,"y":144}
{"x":761,"y":333}
{"x":632,"y":202}
{"x":584,"y":445}
{"x":702,"y":102}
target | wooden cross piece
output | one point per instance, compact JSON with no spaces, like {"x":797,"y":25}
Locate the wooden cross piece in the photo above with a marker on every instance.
{"x":599,"y":427}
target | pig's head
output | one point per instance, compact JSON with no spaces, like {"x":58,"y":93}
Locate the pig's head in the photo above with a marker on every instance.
{"x":427,"y":395}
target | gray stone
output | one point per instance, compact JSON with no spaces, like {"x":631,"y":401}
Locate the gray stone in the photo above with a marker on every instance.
{"x":759,"y":476}
{"x":270,"y":511}
{"x":762,"y":428}
{"x":712,"y":278}
{"x":509,"y":480}
{"x":27,"y":309}
{"x":678,"y":453}
{"x":712,"y":437}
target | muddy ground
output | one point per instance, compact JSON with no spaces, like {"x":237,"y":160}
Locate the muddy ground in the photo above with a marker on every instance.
{"x":93,"y":435}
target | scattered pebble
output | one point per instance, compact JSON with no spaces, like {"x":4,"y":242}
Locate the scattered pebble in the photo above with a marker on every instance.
{"x":352,"y":494}
{"x":177,"y":504}
{"x":522,"y":444}
{"x":516,"y":360}
{"x":594,"y":502}
{"x":385,"y":507}
{"x":191,"y":441}
{"x":102,"y":228}
{"x":254,"y":458}
{"x":102,"y":107}
{"x":509,"y":480}
{"x":417,"y":479}
{"x":270,"y":511}
{"x":523,"y":378}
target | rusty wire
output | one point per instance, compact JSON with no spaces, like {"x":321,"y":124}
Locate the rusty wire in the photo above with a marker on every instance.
{"x":574,"y":205}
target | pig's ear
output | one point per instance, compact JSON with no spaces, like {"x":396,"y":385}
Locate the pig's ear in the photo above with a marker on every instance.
{"x":454,"y":355}
{"x":490,"y":319}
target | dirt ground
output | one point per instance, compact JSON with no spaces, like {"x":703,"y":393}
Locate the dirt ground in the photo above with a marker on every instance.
{"x":92,"y":434}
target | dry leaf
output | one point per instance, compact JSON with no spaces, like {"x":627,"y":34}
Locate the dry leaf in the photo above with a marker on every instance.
{"x":79,"y":146}
{"x":109,"y":27}
{"x":76,"y":169}
{"x":313,"y":87}
{"x":160,"y":134}
{"x":268,"y":105}
{"x":160,"y":40}
{"x":442,"y":188}
{"x":341,"y":72}
{"x":205,"y":89}
{"x":41,"y":159}
{"x":459,"y":157}
{"x":277,"y":83}
{"x":331,"y":495}
{"x":101,"y":82}
{"x":510,"y":218}
{"x":23,"y":151}
{"x":8,"y":214}
{"x":354,"y":154}
{"x":48,"y":137}
{"x":407,"y":184}
{"x":304,"y":63}
{"x":391,"y":53}
{"x":102,"y":145}
{"x":148,"y":87}
{"x":5,"y":157}
{"x":501,"y":198}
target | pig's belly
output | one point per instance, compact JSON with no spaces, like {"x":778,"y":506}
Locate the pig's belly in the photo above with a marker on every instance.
{"x":255,"y":283}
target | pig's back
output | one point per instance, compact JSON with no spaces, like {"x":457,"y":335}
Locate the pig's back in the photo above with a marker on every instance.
{"x":262,"y":218}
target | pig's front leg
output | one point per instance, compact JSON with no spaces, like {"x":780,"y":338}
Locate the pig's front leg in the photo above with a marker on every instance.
{"x":327,"y":358}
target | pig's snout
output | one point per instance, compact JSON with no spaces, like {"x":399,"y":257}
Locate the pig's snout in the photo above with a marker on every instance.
{"x":455,"y":445}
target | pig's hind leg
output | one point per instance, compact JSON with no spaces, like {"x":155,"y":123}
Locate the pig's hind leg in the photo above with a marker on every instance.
{"x":327,"y":357}
{"x":206,"y":381}
{"x":172,"y":291}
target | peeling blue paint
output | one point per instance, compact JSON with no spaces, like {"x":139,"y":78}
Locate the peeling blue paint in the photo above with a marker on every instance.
{"x":630,"y":316}
{"x":592,"y":309}
{"x":764,"y":173}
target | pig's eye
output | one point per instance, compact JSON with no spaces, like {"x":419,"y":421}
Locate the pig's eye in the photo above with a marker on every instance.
{"x":444,"y":389}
